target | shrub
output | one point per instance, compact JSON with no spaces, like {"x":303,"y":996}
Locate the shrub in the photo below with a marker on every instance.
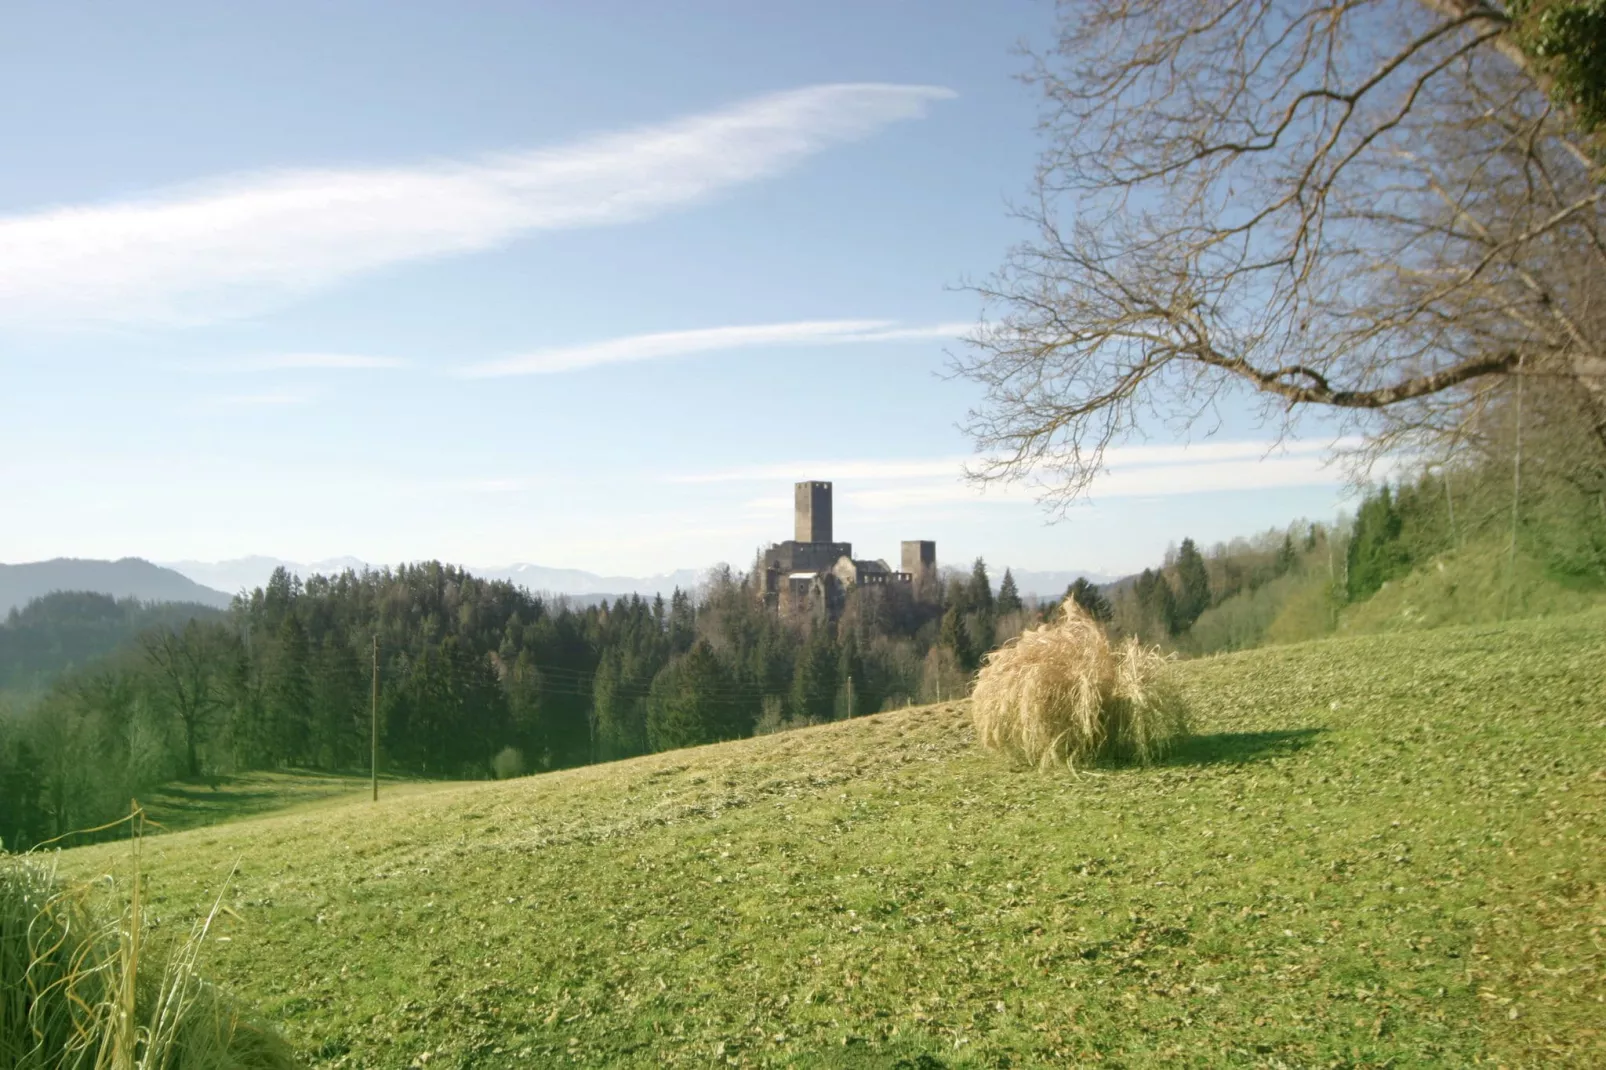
{"x":1062,"y":695}
{"x":508,"y":763}
{"x":78,"y":993}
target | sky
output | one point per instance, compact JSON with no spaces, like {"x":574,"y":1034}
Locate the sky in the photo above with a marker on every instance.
{"x":584,"y":285}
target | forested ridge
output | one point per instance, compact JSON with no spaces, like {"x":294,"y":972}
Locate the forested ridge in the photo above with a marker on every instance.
{"x":476,"y":678}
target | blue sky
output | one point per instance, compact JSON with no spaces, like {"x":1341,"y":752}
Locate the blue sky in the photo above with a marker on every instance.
{"x":586,"y":285}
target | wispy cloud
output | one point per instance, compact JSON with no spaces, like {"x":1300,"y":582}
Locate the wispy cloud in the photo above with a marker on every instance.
{"x":306,"y":362}
{"x":230,"y":246}
{"x":1132,"y":472}
{"x":666,"y":344}
{"x":1118,"y":459}
{"x":829,"y":470}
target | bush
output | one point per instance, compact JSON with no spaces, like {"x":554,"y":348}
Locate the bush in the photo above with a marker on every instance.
{"x":68,"y":980}
{"x":508,"y":763}
{"x":1061,"y":695}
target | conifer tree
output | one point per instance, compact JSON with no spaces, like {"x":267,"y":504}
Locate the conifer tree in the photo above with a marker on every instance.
{"x":952,"y":636}
{"x":1375,"y":554}
{"x":289,"y":692}
{"x":691,"y":701}
{"x":1086,"y":594}
{"x":1193,"y":583}
{"x":1008,"y":595}
{"x":980,"y":592}
{"x":1286,"y":555}
{"x":1157,"y":601}
{"x":814,"y":682}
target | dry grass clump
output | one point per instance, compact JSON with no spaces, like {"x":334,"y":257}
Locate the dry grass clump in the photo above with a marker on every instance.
{"x":78,"y":992}
{"x":1062,"y":695}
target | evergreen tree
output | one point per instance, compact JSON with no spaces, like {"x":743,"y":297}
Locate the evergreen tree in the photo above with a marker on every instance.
{"x":1193,"y":587}
{"x":682,"y":622}
{"x":1086,"y":594}
{"x":523,"y":685}
{"x":619,"y":712}
{"x":691,"y":701}
{"x":1008,"y":595}
{"x":814,"y":681}
{"x":952,"y":636}
{"x":289,"y":692}
{"x":339,"y":695}
{"x":1157,"y":601}
{"x":1375,"y":552}
{"x":979,"y":594}
{"x":1287,"y":557}
{"x":850,"y":668}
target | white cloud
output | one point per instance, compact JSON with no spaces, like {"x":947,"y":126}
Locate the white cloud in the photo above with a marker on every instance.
{"x":231,"y":246}
{"x":832,"y":470}
{"x":308,"y":361}
{"x":1133,"y":472}
{"x":1118,"y":459}
{"x":666,"y":344}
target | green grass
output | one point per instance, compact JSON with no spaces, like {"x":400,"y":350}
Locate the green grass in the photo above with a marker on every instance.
{"x":1479,"y":583}
{"x":197,"y":803}
{"x":1381,"y":851}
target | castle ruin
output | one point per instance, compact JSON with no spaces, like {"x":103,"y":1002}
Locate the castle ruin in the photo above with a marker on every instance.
{"x":810,"y":571}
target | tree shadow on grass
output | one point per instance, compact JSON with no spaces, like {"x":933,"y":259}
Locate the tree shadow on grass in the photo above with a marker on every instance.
{"x":1238,"y":748}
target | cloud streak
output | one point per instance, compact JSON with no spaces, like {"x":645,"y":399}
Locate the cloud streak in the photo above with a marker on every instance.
{"x":1133,"y":472}
{"x":1121,"y":462}
{"x":237,"y":245}
{"x":664,"y":345}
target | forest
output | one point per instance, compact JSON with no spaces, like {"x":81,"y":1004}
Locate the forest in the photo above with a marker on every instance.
{"x":474,"y":679}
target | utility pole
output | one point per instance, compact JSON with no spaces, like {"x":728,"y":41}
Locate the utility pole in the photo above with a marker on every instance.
{"x":373,"y":725}
{"x":850,"y":698}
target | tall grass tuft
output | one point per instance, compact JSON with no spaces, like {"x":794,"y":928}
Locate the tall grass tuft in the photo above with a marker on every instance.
{"x":1061,"y":694}
{"x":82,"y":992}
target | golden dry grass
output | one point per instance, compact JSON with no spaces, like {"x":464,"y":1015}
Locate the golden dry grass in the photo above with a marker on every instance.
{"x":79,"y":991}
{"x":1061,"y":694}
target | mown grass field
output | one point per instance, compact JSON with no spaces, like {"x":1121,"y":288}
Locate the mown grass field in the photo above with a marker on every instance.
{"x":1379,"y":851}
{"x":195,"y":804}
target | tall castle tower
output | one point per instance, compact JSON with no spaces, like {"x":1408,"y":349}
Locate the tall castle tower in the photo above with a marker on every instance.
{"x":813,"y":512}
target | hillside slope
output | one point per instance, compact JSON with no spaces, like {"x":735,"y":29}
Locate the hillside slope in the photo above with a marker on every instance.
{"x":1478,"y":583}
{"x":129,"y":577}
{"x":1379,"y":851}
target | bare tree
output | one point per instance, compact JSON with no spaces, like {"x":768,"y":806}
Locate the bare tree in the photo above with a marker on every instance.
{"x":186,"y":666}
{"x":1367,"y":207}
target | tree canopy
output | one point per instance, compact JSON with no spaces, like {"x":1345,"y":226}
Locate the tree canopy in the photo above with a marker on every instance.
{"x":1389,"y":210}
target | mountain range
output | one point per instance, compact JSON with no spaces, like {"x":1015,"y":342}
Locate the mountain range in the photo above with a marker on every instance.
{"x":211,"y":583}
{"x":249,"y":573}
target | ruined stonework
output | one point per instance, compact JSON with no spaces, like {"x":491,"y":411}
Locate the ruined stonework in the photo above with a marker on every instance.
{"x":920,"y":561}
{"x":813,"y":573}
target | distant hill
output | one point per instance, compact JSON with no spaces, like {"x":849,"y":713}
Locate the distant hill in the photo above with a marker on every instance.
{"x":1048,"y":584}
{"x":130,"y":577}
{"x":580,"y":586}
{"x":69,"y":629}
{"x":249,"y":573}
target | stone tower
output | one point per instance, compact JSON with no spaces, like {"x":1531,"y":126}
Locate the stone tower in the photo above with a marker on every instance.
{"x":920,"y":562}
{"x":814,"y":512}
{"x":920,"y":558}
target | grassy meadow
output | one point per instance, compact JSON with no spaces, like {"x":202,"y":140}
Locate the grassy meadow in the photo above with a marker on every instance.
{"x":184,"y":805}
{"x":1379,"y":850}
